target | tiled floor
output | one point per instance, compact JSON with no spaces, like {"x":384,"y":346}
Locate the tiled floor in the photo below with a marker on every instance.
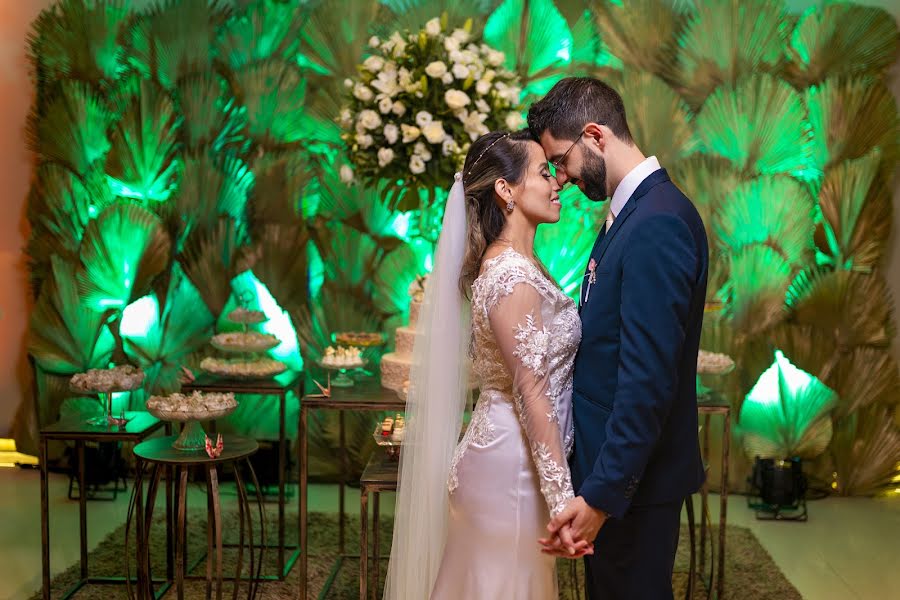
{"x":849,"y":548}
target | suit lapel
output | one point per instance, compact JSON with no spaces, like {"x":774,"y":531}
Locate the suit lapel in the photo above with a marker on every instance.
{"x":605,"y":238}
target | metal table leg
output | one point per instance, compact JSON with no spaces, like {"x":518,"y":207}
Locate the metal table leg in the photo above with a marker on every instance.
{"x":376,"y":497}
{"x":82,"y":510}
{"x":723,"y":506}
{"x":303,"y":451}
{"x":282,"y":466}
{"x":45,"y":522}
{"x":363,"y":543}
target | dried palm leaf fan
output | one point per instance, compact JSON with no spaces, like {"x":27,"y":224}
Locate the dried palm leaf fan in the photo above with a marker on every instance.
{"x":173,"y":39}
{"x":363,"y":208}
{"x":394,"y":275}
{"x":209,"y":259}
{"x":863,"y":378}
{"x":78,"y":39}
{"x":624,"y":29}
{"x":280,"y":181}
{"x":759,"y":125}
{"x":865,"y":450}
{"x":856,"y":211}
{"x":142,"y":162}
{"x":73,"y":127}
{"x":335,"y":37}
{"x":278,"y":259}
{"x":536,"y":40}
{"x":724,"y":41}
{"x":809,"y":348}
{"x":853,"y":309}
{"x":212,"y":117}
{"x":657,"y":116}
{"x":64,"y":334}
{"x":851,"y":117}
{"x":273,"y":93}
{"x":754,"y":294}
{"x":841,"y":39}
{"x":773,"y":210}
{"x":786,"y":414}
{"x":412,"y":15}
{"x":349,"y":256}
{"x":122,"y":251}
{"x":262,"y":30}
{"x":337,"y":308}
{"x":591,"y":57}
{"x":168,"y":333}
{"x":63,"y":204}
{"x":707,"y":180}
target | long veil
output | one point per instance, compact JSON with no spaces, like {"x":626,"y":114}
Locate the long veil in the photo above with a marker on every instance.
{"x":434,"y":410}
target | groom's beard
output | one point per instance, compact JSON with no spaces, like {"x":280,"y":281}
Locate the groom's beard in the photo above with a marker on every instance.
{"x":593,"y":174}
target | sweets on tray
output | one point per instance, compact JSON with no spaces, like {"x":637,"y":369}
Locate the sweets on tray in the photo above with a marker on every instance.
{"x":195,"y":402}
{"x":713,"y":363}
{"x":119,"y":379}
{"x":348,"y":358}
{"x":247,"y":341}
{"x":246,"y":316}
{"x":259,"y":368}
{"x":393,"y":429}
{"x":359,"y":339}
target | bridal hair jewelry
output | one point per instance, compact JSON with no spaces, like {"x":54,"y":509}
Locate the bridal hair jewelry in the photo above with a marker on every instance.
{"x":469,"y":172}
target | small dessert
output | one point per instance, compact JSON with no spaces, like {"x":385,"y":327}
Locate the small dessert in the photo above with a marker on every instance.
{"x":713,"y":363}
{"x":118,"y":379}
{"x":387,"y":426}
{"x":344,"y":358}
{"x":245,"y":341}
{"x":259,"y":368}
{"x":194,"y":403}
{"x":399,"y":430}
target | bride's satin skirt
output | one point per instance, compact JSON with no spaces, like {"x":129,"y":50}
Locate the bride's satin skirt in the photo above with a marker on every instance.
{"x":497,"y":515}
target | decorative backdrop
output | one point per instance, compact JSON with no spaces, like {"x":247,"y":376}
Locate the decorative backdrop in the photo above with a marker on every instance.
{"x":189,"y":159}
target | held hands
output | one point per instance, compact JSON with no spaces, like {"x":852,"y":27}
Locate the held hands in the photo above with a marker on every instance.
{"x":573,"y":530}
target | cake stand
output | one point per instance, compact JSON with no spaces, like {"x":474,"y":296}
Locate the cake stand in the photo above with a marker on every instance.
{"x":391,"y":447}
{"x":192,"y":437}
{"x":342,"y":379}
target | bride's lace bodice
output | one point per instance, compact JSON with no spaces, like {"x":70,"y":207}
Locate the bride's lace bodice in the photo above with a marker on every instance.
{"x":525,"y":336}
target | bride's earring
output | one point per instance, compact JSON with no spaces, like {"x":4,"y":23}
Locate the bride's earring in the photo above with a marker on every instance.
{"x":510,"y":205}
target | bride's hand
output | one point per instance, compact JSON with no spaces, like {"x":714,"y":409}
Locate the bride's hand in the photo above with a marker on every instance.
{"x":562,"y":545}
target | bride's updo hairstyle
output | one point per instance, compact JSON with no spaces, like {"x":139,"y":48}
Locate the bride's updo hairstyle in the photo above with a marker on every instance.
{"x":495,"y":155}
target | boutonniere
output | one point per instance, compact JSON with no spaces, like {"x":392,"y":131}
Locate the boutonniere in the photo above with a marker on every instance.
{"x":591,"y":279}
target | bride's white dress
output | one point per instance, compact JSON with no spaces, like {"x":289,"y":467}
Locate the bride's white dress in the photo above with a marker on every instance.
{"x":510,"y":472}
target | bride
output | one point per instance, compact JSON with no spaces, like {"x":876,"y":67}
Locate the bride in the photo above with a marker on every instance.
{"x":469,"y":514}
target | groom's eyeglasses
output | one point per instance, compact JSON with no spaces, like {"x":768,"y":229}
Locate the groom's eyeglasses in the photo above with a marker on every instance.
{"x":559,"y":164}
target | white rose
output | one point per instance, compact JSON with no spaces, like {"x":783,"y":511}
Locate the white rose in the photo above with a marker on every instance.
{"x":374,"y":63}
{"x":369,"y":119}
{"x":456,"y":56}
{"x":514,"y":121}
{"x":511,"y":94}
{"x":447,"y":78}
{"x":483,"y":87}
{"x":489,"y":75}
{"x":495,"y":58}
{"x":410,"y":133}
{"x":451,"y":44}
{"x":365,"y":140}
{"x":434,"y":132}
{"x":423,"y":118}
{"x":482,"y":106}
{"x":346,"y":174}
{"x":468,"y":57}
{"x":363,"y":93}
{"x":385,"y":84}
{"x":399,"y":108}
{"x":391,"y":133}
{"x":374,"y":42}
{"x":404,"y":77}
{"x":449,"y":147}
{"x":399,"y":44}
{"x":422,"y":150}
{"x":433,"y":27}
{"x":473,"y":122}
{"x":390,"y":67}
{"x":346,"y":118}
{"x":385,"y":156}
{"x":385,"y":105}
{"x":348,"y":83}
{"x":416,"y":164}
{"x":436,"y":69}
{"x":456,"y":99}
{"x":461,"y":35}
{"x":460,"y":71}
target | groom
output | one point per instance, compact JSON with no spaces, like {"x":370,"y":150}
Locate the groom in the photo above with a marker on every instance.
{"x":636,"y":454}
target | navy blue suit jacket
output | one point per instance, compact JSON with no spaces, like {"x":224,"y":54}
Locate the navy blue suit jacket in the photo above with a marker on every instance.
{"x":635,"y":398}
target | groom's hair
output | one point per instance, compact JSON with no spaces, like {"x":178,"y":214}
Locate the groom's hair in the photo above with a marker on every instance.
{"x":573,"y":103}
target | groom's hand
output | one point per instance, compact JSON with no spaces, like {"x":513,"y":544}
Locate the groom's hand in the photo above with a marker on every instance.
{"x":556,"y":546}
{"x":584,"y":521}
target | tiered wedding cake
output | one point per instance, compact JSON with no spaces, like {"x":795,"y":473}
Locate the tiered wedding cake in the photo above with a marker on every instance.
{"x":395,"y":365}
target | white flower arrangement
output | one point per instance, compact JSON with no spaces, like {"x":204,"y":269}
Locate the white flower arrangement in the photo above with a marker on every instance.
{"x":419,"y":101}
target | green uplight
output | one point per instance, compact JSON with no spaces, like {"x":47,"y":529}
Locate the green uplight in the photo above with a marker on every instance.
{"x":140,"y":317}
{"x":401,"y":225}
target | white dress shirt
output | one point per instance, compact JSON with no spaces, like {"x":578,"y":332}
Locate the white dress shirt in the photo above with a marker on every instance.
{"x":630,"y":183}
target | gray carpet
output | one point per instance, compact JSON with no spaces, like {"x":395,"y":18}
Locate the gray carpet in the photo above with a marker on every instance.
{"x":750,"y":571}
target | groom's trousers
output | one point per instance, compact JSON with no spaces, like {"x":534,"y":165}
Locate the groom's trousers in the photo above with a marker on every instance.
{"x":634,"y":556}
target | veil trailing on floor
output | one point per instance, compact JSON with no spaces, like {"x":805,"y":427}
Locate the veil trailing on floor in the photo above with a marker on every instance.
{"x":434,"y":409}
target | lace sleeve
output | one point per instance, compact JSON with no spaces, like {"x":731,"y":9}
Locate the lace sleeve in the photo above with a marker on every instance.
{"x":523,"y":340}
